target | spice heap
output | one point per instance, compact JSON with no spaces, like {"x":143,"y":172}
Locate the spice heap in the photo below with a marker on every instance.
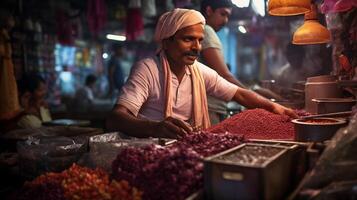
{"x":161,"y":173}
{"x":301,"y":112}
{"x":319,"y":121}
{"x":257,"y":124}
{"x":207,"y":144}
{"x":174,"y":172}
{"x":77,"y":183}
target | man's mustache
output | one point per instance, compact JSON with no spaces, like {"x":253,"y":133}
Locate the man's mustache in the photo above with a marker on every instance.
{"x":192,"y":53}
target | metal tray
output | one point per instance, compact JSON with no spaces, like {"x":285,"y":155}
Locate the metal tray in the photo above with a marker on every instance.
{"x":269,"y":179}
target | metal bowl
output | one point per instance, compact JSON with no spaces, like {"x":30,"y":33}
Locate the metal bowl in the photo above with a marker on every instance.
{"x":317,"y":129}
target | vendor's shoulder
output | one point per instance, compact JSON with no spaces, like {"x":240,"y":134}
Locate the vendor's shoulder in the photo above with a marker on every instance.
{"x":145,"y":66}
{"x":203,"y":67}
{"x":146,"y":62}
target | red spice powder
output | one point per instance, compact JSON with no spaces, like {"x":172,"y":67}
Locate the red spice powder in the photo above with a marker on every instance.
{"x":320,"y":121}
{"x":257,"y":124}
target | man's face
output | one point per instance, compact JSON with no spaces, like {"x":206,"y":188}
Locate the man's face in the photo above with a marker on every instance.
{"x":183,"y":48}
{"x":218,"y":18}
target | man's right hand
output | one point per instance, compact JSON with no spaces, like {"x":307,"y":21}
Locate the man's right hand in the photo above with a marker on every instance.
{"x":121,"y":119}
{"x":172,"y":128}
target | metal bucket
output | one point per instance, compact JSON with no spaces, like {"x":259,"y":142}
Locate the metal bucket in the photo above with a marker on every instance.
{"x":317,"y":129}
{"x":320,"y":87}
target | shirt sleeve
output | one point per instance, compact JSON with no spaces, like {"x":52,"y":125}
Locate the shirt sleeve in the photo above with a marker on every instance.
{"x":136,"y":89}
{"x":216,"y":85}
{"x":211,"y":39}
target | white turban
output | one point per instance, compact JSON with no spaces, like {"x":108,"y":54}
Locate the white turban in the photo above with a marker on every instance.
{"x":172,"y":21}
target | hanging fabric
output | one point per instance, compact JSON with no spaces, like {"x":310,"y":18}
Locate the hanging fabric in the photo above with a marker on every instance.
{"x":134,"y":23}
{"x":149,"y":8}
{"x":96,"y":16}
{"x":335,"y":6}
{"x":63,"y":28}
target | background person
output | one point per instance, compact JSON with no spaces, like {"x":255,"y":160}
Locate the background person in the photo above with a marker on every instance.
{"x":32,"y":92}
{"x":293,"y":70}
{"x":217,"y":14}
{"x":115,"y":70}
{"x":84,"y":97}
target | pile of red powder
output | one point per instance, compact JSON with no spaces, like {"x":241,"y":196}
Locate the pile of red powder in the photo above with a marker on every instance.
{"x":257,"y":124}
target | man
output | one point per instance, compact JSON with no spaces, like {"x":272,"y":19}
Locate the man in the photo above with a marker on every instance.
{"x":84,"y":97}
{"x":217,"y":14}
{"x":304,"y":61}
{"x":115,"y":70}
{"x":293,"y":70}
{"x":32,"y":91}
{"x":165,"y":96}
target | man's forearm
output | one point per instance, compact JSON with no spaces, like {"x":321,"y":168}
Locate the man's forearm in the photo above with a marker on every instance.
{"x":122,"y":121}
{"x":251,"y":99}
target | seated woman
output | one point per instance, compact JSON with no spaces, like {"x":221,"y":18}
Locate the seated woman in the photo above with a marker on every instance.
{"x":32,"y":92}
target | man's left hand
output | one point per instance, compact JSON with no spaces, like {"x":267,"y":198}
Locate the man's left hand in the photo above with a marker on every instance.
{"x":282,"y":110}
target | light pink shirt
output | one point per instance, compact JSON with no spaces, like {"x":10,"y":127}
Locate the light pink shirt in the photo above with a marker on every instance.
{"x":143,"y":93}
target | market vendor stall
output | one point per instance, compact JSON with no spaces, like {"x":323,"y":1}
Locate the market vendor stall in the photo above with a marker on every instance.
{"x":202,"y":165}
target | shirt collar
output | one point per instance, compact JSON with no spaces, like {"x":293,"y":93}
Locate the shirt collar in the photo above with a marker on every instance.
{"x":187,"y":70}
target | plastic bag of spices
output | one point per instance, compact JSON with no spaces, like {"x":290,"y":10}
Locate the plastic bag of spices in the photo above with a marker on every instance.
{"x":49,"y":154}
{"x":104,"y":148}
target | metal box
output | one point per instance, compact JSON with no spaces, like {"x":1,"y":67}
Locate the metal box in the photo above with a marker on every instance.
{"x":332,"y":105}
{"x":267,"y":177}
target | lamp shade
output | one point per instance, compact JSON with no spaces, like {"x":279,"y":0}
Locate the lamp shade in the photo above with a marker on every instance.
{"x":311,"y":32}
{"x":288,"y":7}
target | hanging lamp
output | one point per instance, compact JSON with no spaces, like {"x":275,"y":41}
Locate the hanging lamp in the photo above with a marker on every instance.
{"x":288,"y":7}
{"x":311,"y":32}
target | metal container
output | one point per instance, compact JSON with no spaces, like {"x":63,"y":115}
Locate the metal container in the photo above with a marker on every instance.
{"x":317,"y":129}
{"x":322,"y":78}
{"x":331,"y":105}
{"x":320,"y":87}
{"x":225,"y":178}
{"x":298,"y":151}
